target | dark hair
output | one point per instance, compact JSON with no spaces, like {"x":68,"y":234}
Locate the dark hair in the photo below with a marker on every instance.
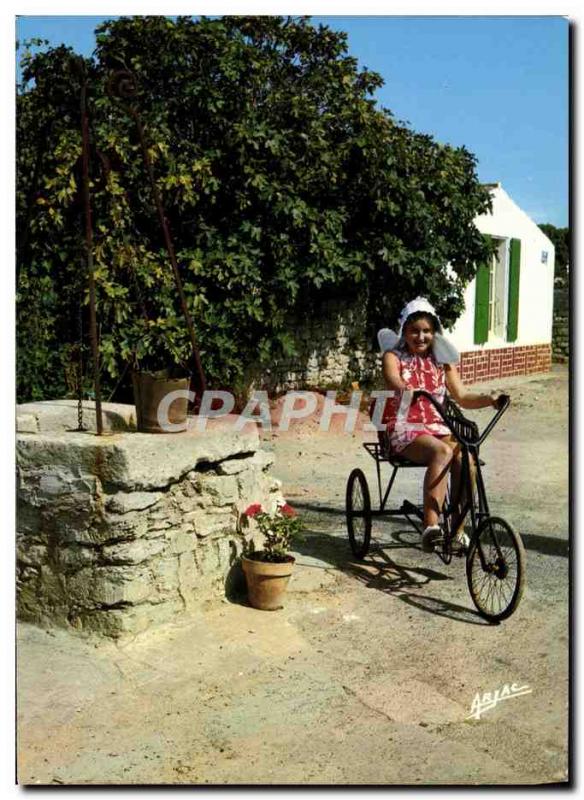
{"x":417,"y":315}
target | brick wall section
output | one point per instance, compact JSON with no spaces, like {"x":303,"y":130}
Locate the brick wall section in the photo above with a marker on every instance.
{"x":485,"y":365}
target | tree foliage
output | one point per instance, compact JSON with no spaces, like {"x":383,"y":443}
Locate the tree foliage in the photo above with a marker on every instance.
{"x":283,"y":183}
{"x":560,"y":238}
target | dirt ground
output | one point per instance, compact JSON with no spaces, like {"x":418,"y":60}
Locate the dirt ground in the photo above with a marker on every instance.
{"x":367,"y":675}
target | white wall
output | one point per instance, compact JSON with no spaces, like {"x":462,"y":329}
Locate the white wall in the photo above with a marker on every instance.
{"x":536,"y":280}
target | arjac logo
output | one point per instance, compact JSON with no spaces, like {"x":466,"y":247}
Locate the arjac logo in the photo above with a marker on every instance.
{"x":489,"y":700}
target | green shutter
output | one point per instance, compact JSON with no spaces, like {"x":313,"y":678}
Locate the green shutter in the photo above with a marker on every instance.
{"x":513,"y":314}
{"x":481,"y":327}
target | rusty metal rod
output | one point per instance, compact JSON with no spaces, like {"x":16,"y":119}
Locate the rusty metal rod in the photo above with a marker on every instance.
{"x":89,"y":254}
{"x":200,"y":375}
{"x":122,"y":86}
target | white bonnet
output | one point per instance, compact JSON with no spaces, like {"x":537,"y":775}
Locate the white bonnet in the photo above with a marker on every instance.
{"x":419,"y":304}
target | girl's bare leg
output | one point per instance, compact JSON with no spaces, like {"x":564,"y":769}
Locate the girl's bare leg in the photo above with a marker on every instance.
{"x":456,"y":475}
{"x":437,"y":455}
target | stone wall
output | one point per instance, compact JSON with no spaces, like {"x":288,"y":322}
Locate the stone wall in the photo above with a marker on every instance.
{"x":120,"y":532}
{"x":561,"y":327}
{"x":334,"y":350}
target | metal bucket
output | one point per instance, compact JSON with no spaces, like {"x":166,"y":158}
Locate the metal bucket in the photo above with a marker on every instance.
{"x":150,"y":389}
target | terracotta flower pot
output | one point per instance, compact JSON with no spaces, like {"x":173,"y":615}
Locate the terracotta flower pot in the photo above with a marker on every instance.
{"x":267,"y":582}
{"x":150,"y":388}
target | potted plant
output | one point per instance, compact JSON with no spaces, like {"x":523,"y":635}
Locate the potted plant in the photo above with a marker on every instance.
{"x":158,"y":369}
{"x":148,"y":333}
{"x":268,"y":571}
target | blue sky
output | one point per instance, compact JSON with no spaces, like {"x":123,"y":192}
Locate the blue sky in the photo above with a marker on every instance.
{"x":498,"y":85}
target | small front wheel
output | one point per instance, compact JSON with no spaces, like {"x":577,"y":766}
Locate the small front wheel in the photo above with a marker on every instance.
{"x":495,"y":569}
{"x":358,"y":511}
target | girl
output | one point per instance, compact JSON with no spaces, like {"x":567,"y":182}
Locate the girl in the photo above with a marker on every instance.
{"x":418,"y":433}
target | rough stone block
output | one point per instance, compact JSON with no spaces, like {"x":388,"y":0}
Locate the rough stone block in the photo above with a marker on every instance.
{"x":28,"y":519}
{"x":221,"y":489}
{"x":227,"y":552}
{"x":109,"y":586}
{"x":212,"y":521}
{"x":42,"y":486}
{"x":50,"y":590}
{"x":164,"y":575}
{"x":136,"y":551}
{"x":180,"y":540}
{"x":104,"y":528}
{"x":117,"y":623}
{"x":124,"y":502}
{"x":71,"y":559}
{"x":232,"y":466}
{"x":165,"y":516}
{"x":129,"y":521}
{"x":60,"y":416}
{"x":27,"y":423}
{"x":188,"y":577}
{"x":65,"y":525}
{"x":138,"y":461}
{"x":31,"y":555}
{"x":207,"y":560}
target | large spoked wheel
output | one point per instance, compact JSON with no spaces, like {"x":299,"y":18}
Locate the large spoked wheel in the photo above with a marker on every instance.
{"x":495,"y":569}
{"x":358,"y":510}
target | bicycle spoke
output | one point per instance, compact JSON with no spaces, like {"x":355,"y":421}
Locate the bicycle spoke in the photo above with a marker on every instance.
{"x":506,"y":597}
{"x":496,"y":587}
{"x":490,"y":592}
{"x":358,"y":509}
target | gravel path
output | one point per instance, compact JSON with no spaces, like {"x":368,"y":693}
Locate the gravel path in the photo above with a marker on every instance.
{"x":367,"y":675}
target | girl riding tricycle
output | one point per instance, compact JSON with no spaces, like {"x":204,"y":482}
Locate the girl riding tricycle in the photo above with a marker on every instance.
{"x":423,"y":426}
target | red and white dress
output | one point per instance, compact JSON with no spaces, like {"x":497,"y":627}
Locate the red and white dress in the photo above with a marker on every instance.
{"x":406,"y":420}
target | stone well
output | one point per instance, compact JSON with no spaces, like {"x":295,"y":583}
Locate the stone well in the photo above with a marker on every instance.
{"x":124,"y":531}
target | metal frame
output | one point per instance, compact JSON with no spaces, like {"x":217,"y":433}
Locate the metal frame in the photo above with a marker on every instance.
{"x":466,"y":434}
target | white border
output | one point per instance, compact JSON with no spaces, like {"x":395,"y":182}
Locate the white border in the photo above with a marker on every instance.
{"x":568,"y":8}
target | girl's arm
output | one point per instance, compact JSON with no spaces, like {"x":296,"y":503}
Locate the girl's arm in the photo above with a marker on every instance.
{"x":463,"y":397}
{"x":391,"y":374}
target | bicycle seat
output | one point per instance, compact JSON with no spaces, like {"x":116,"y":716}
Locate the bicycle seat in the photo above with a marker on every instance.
{"x":394,"y":458}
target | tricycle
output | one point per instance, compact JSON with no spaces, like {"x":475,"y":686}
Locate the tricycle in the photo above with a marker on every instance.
{"x":495,"y":555}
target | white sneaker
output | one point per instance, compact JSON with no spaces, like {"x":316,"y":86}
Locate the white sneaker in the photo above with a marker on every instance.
{"x":431,"y":537}
{"x":462,"y":539}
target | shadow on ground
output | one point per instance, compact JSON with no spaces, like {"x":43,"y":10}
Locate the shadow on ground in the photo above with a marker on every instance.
{"x":381,"y":569}
{"x":537,"y":542}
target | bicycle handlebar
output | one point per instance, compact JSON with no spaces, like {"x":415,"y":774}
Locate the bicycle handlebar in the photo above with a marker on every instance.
{"x":503,"y":402}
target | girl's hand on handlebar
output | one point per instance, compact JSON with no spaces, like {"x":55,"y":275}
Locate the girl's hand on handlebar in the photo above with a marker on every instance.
{"x":498,"y":399}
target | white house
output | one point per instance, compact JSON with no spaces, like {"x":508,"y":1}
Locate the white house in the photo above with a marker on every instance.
{"x":506,"y":328}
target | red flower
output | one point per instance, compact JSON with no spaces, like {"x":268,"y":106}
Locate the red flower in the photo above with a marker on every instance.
{"x":287,"y":510}
{"x":253,"y":510}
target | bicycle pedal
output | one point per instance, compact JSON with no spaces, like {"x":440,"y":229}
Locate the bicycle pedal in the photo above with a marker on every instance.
{"x":460,"y":547}
{"x":431,"y":539}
